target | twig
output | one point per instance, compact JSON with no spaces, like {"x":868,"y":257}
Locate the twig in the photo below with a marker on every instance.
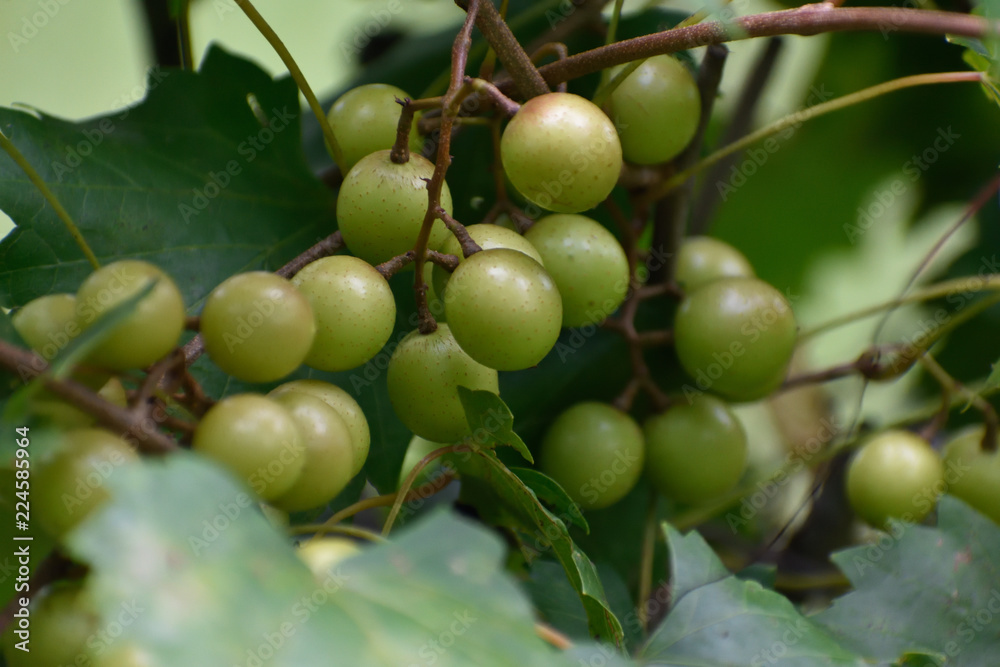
{"x":400,"y":153}
{"x":392,"y":266}
{"x":469,"y":246}
{"x":447,"y":262}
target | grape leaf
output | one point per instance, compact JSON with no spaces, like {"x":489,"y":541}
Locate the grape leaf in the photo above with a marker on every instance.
{"x":717,"y":619}
{"x":549,"y":491}
{"x":491,"y":421}
{"x":205,"y":580}
{"x":920,"y":589}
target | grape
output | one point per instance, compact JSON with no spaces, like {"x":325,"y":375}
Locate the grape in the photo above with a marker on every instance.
{"x":70,"y":485}
{"x":257,"y":327}
{"x":657,"y":109}
{"x":587,"y":264}
{"x":364,"y":120}
{"x":354,"y":310}
{"x":735,"y":336}
{"x":63,"y":619}
{"x":894,"y":475}
{"x":322,"y":554}
{"x":415,"y":452}
{"x":346,"y":407}
{"x":595,"y":452}
{"x":503,"y":309}
{"x":423,"y":379}
{"x":329,"y":452}
{"x":703,"y":259}
{"x":487,"y":237}
{"x":695,"y":452}
{"x":146,"y":334}
{"x":257,"y":439}
{"x":381,"y":207}
{"x":972,"y":473}
{"x":561,"y":152}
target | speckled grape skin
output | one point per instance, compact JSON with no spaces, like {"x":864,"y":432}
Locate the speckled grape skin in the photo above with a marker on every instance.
{"x":586,"y":261}
{"x":423,"y":379}
{"x":257,"y":327}
{"x":735,"y":337}
{"x":381,"y":206}
{"x":657,"y":109}
{"x":329,"y":453}
{"x":561,"y":152}
{"x":354,"y":310}
{"x":346,"y":407}
{"x":703,"y":259}
{"x":488,"y":237}
{"x":364,"y":120}
{"x":504,"y":309}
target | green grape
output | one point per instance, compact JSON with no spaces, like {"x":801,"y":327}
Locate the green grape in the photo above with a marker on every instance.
{"x":703,"y":259}
{"x":595,"y":452}
{"x":657,"y":109}
{"x":346,"y":407}
{"x":894,"y":475}
{"x":70,"y":485}
{"x":257,"y":327}
{"x":972,"y":473}
{"x":587,"y":264}
{"x":381,"y":207}
{"x":354,"y":309}
{"x":62,"y":620}
{"x":561,"y":152}
{"x":423,"y":379}
{"x":735,"y":336}
{"x":364,"y":120}
{"x":323,"y":554}
{"x":329,"y":452}
{"x":415,"y":452}
{"x":257,"y":439}
{"x":503,"y":309}
{"x":695,"y":452}
{"x":488,"y":237}
{"x":65,"y":415}
{"x":153,"y":327}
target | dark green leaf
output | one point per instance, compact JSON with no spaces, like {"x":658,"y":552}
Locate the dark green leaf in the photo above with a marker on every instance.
{"x":491,"y":421}
{"x":549,"y":491}
{"x":923,"y":589}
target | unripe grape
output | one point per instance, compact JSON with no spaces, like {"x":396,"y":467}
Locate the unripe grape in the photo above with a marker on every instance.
{"x":973,"y":474}
{"x":329,"y":453}
{"x":257,"y":326}
{"x":146,"y":334}
{"x":346,"y":407}
{"x":364,"y":120}
{"x":735,"y":336}
{"x":423,"y":379}
{"x":587,"y":264}
{"x":503,"y":309}
{"x":657,"y":109}
{"x":63,"y":619}
{"x":71,"y":483}
{"x":487,"y":237}
{"x":381,"y":206}
{"x":415,"y":452}
{"x":323,"y":554}
{"x":561,"y":152}
{"x":354,"y":309}
{"x":595,"y":452}
{"x":695,"y":452}
{"x":257,"y":439}
{"x":702,"y":259}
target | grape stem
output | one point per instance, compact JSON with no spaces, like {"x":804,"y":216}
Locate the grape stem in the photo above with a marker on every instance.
{"x":949,"y":385}
{"x":404,"y":493}
{"x":392,"y":266}
{"x":557,"y":49}
{"x":400,"y":153}
{"x":513,"y":56}
{"x":469,"y":246}
{"x":649,"y":533}
{"x":137,"y":427}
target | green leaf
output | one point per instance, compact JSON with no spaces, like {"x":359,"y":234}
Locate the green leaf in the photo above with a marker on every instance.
{"x":991,"y":384}
{"x":718,"y":620}
{"x":549,"y":491}
{"x":191,"y":179}
{"x":550,"y":531}
{"x":205,"y":580}
{"x":921,"y":589}
{"x":491,"y":421}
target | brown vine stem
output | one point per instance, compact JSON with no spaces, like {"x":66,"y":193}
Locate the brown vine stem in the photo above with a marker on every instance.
{"x":392,"y":266}
{"x":951,"y":385}
{"x":508,"y":49}
{"x":459,"y":59}
{"x":812,"y":19}
{"x":137,"y":428}
{"x":469,"y":246}
{"x":404,"y":489}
